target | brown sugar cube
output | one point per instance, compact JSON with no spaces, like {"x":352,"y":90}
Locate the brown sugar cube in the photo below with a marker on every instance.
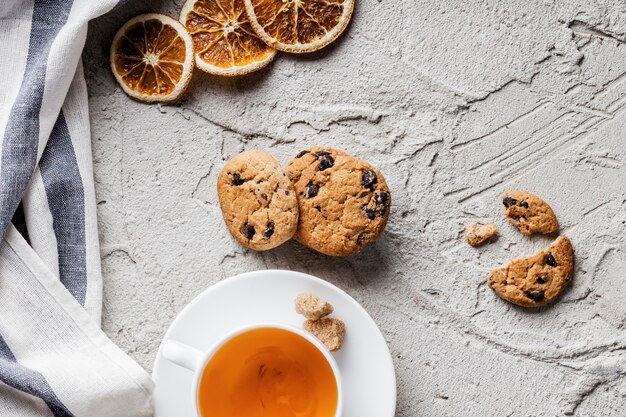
{"x":329,"y":331}
{"x":312,"y":307}
{"x":478,"y":233}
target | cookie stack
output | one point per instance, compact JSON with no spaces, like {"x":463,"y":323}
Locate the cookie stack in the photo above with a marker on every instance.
{"x":326,"y":199}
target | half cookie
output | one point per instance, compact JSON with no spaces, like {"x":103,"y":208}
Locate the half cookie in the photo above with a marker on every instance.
{"x":538,"y":279}
{"x":529,"y":213}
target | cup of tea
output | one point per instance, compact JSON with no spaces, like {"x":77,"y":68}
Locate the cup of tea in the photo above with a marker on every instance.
{"x":262,"y":370}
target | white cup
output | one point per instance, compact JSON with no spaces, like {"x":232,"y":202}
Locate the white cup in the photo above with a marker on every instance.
{"x":195,"y":360}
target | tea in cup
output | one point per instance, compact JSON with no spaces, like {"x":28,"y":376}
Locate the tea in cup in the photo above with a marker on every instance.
{"x":263,"y":370}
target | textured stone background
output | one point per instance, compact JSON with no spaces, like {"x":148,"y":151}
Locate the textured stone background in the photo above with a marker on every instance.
{"x":455,"y":101}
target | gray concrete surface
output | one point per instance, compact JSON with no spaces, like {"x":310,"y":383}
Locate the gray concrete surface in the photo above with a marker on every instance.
{"x":455,"y":101}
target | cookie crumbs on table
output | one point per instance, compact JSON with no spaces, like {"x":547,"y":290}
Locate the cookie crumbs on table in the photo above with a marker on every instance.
{"x":312,"y":307}
{"x":478,"y":233}
{"x":330,"y":331}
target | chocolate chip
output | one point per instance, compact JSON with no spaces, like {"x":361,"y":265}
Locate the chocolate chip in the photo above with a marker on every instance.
{"x":237,"y":180}
{"x":321,"y":153}
{"x":508,"y":201}
{"x":536,"y":296}
{"x":301,"y":154}
{"x":269,"y":231}
{"x":524,"y":204}
{"x":370,"y":213}
{"x":311,"y":190}
{"x":542,"y":279}
{"x":286,"y":192}
{"x":381,"y":198}
{"x":326,"y":161}
{"x":318,"y":208}
{"x":551,"y":261}
{"x":264,"y":196}
{"x":369,"y":178}
{"x":248,"y":231}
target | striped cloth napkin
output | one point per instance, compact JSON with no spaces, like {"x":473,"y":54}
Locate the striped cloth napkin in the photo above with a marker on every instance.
{"x":54,"y":358}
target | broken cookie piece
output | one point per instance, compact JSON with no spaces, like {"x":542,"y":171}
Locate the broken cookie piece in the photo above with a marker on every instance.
{"x":538,"y":279}
{"x":529,"y":213}
{"x":478,"y":233}
{"x":329,"y":331}
{"x":312,"y":307}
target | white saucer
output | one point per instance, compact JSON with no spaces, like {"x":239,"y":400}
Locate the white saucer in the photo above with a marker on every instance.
{"x":267,"y":296}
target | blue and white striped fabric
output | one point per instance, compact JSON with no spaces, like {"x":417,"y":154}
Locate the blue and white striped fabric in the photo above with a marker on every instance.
{"x":54,"y":358}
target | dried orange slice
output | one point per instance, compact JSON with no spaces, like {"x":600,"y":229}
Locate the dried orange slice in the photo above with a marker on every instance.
{"x":299,"y":25}
{"x":152,"y":58}
{"x":223,"y":38}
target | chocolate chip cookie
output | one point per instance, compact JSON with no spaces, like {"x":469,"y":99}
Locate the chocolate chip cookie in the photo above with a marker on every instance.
{"x":258,"y":201}
{"x":529,"y":213}
{"x":537,"y":279}
{"x":344,"y":201}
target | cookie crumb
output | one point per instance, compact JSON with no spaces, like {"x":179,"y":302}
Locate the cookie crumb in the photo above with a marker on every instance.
{"x":312,"y":307}
{"x":329,"y":331}
{"x":478,"y":233}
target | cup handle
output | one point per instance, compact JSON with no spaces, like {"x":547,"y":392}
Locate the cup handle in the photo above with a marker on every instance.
{"x":182,"y":355}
